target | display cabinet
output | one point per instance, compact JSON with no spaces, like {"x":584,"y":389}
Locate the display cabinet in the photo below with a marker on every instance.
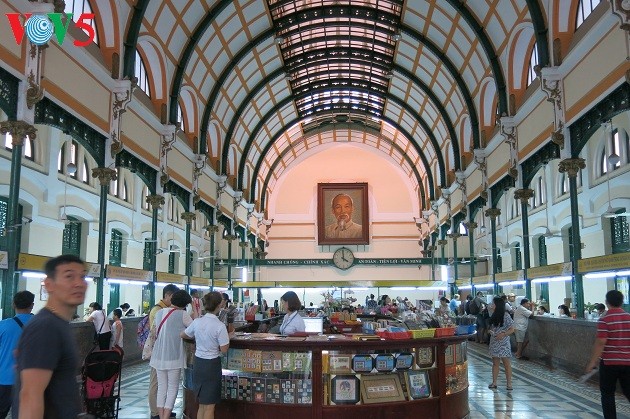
{"x":336,"y":376}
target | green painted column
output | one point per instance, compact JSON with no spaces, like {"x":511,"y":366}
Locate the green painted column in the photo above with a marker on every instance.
{"x":572,"y":167}
{"x":454,"y":236}
{"x":105,"y":175}
{"x":188,"y":217}
{"x":229,"y":267}
{"x":19,"y":130}
{"x":524,"y":195}
{"x":212,"y":229}
{"x":156,"y":202}
{"x":471,"y":226}
{"x":493,"y":213}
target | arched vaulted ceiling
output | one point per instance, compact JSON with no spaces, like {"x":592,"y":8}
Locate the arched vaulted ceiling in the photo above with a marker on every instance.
{"x":405,"y":77}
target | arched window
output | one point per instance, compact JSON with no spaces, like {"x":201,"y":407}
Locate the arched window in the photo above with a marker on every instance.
{"x":180,"y":118}
{"x":585,"y":8}
{"x":74,"y":156}
{"x":171,"y":208}
{"x":77,"y":8}
{"x":533,"y":62}
{"x":115,"y":248}
{"x":113,"y":185}
{"x":145,"y":195}
{"x":61,"y":159}
{"x":564,"y":184}
{"x":27,"y":149}
{"x":499,"y":267}
{"x":141,"y":74}
{"x":615,"y":152}
{"x":85,"y":177}
{"x":516,"y":208}
{"x":539,"y":193}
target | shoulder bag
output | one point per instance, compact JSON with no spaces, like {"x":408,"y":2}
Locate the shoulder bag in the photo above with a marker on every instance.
{"x":147,"y":350}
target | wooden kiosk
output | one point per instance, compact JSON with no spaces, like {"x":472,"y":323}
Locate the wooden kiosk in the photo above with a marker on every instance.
{"x":338,"y":376}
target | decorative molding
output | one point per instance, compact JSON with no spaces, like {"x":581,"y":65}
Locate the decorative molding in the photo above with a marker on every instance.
{"x":523,"y":194}
{"x":105,"y":175}
{"x":571,"y":166}
{"x":122,"y":94}
{"x":470,"y":225}
{"x":442,"y":242}
{"x":211,"y":229}
{"x":493,"y":212}
{"x":582,"y":129}
{"x":198,"y":166}
{"x":188,"y":217}
{"x":34,"y":91}
{"x":19,"y":130}
{"x":155,"y":201}
{"x":552,"y":84}
{"x":509,"y":132}
{"x":479,"y":155}
{"x":145,"y":172}
{"x":49,"y":113}
{"x":621,"y":8}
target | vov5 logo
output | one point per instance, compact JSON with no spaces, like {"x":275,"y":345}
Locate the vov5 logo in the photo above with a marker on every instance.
{"x":40,"y":28}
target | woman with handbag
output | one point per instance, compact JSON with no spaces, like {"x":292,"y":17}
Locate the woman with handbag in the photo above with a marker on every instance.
{"x":168,"y":357}
{"x":102,"y":329}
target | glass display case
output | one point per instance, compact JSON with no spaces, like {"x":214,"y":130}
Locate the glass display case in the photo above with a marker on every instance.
{"x":338,"y":376}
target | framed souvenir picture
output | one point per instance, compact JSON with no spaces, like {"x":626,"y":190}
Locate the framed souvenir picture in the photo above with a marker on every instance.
{"x":362,"y":363}
{"x":340,"y":363}
{"x":449,"y":355}
{"x":418,"y":386}
{"x":342,"y":213}
{"x":404,"y":361}
{"x":381,"y":388}
{"x":345,"y":389}
{"x":460,"y":353}
{"x":424,"y":357}
{"x":384,"y":362}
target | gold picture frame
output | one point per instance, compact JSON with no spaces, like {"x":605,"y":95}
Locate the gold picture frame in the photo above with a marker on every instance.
{"x":381,"y":388}
{"x":355,"y":228}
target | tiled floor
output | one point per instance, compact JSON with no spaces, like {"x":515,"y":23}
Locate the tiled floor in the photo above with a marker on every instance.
{"x":538,"y":392}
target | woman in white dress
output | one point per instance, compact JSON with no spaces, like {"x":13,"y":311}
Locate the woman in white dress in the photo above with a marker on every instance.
{"x":168,"y":356}
{"x":102,"y":329}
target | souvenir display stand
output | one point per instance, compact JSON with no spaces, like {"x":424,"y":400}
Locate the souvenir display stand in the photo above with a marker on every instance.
{"x":336,"y":376}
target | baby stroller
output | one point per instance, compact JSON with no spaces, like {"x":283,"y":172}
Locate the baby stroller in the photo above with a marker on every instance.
{"x":101,"y":383}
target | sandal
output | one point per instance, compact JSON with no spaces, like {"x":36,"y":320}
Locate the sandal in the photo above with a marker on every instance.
{"x":492,"y":386}
{"x":509,"y":388}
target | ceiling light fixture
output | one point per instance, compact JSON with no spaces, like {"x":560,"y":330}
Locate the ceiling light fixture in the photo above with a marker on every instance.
{"x":396,"y":37}
{"x":279,"y":40}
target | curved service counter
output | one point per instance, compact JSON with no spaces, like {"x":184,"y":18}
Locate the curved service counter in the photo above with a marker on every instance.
{"x":337,"y":376}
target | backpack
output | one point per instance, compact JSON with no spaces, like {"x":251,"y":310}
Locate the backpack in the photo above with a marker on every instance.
{"x":473,"y":307}
{"x":143,"y":330}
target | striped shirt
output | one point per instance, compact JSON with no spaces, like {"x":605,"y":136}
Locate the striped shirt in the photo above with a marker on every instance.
{"x":615,"y":328}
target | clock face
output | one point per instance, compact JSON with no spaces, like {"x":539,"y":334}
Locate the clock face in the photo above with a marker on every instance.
{"x":343,"y":258}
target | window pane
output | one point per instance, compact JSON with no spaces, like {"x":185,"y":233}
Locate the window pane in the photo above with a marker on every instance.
{"x":533,"y":62}
{"x":84,"y":173}
{"x":8,"y":141}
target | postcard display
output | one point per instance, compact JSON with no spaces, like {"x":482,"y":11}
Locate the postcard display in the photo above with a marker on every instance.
{"x":267,"y":376}
{"x":340,"y":377}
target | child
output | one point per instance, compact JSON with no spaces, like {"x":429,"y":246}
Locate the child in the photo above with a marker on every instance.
{"x":117,"y":330}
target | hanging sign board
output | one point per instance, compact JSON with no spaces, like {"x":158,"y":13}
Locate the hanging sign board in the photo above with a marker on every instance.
{"x":118,"y":272}
{"x":605,"y":263}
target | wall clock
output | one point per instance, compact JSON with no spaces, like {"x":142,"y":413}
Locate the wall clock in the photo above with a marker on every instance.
{"x":343,"y":258}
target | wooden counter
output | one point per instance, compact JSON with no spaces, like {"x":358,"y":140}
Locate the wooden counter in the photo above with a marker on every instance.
{"x":333,"y":359}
